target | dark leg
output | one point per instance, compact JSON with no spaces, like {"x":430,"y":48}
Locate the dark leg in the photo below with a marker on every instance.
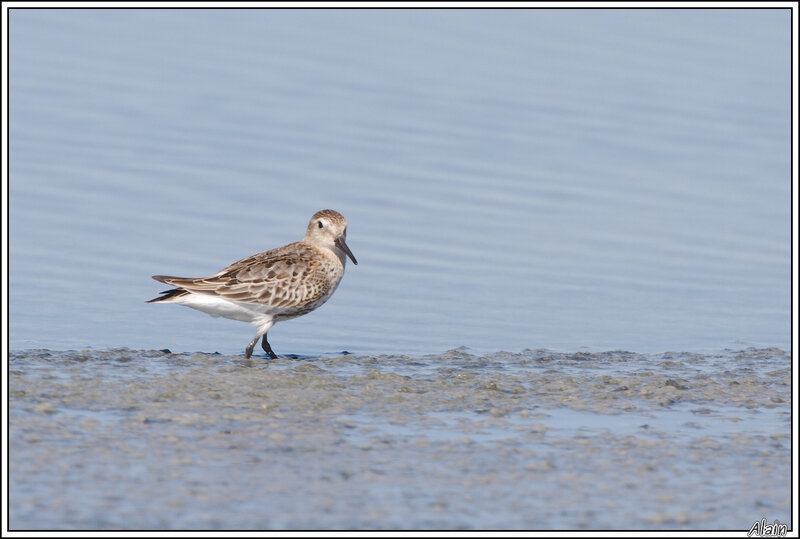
{"x":249,"y":350}
{"x":267,"y":348}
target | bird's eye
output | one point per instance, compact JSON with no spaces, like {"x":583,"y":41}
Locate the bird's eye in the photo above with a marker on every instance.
{"x":319,"y":223}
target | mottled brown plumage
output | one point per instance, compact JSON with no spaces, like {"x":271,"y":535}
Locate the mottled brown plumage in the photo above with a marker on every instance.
{"x":272,"y":286}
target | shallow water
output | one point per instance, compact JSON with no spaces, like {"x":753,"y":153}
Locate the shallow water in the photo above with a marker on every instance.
{"x":562,"y":179}
{"x":552,"y":183}
{"x":126,"y":438}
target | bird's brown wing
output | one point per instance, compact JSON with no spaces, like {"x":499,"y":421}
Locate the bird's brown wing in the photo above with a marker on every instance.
{"x":283,"y":277}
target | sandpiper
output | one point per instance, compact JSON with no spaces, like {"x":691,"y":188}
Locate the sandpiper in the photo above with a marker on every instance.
{"x":272,"y":286}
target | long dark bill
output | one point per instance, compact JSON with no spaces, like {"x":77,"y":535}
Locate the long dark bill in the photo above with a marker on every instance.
{"x":343,"y":246}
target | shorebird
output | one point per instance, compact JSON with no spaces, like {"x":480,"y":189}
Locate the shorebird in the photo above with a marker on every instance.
{"x":276,"y":285}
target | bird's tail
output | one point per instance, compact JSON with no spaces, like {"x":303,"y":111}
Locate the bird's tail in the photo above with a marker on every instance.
{"x":167,"y":295}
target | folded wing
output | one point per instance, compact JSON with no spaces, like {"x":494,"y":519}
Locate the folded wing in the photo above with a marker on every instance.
{"x":285,"y":277}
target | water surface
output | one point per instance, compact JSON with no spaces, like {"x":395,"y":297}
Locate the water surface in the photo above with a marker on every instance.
{"x":529,"y":194}
{"x":561,"y":179}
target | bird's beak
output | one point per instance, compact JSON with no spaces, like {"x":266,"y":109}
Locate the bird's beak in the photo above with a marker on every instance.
{"x":343,"y":247}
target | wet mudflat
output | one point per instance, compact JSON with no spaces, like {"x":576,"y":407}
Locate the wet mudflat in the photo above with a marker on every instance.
{"x":131,"y":439}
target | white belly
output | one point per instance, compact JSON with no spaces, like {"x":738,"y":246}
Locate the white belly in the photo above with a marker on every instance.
{"x":217,"y":306}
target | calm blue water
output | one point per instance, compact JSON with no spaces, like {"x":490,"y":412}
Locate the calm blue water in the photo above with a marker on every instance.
{"x":562,"y":179}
